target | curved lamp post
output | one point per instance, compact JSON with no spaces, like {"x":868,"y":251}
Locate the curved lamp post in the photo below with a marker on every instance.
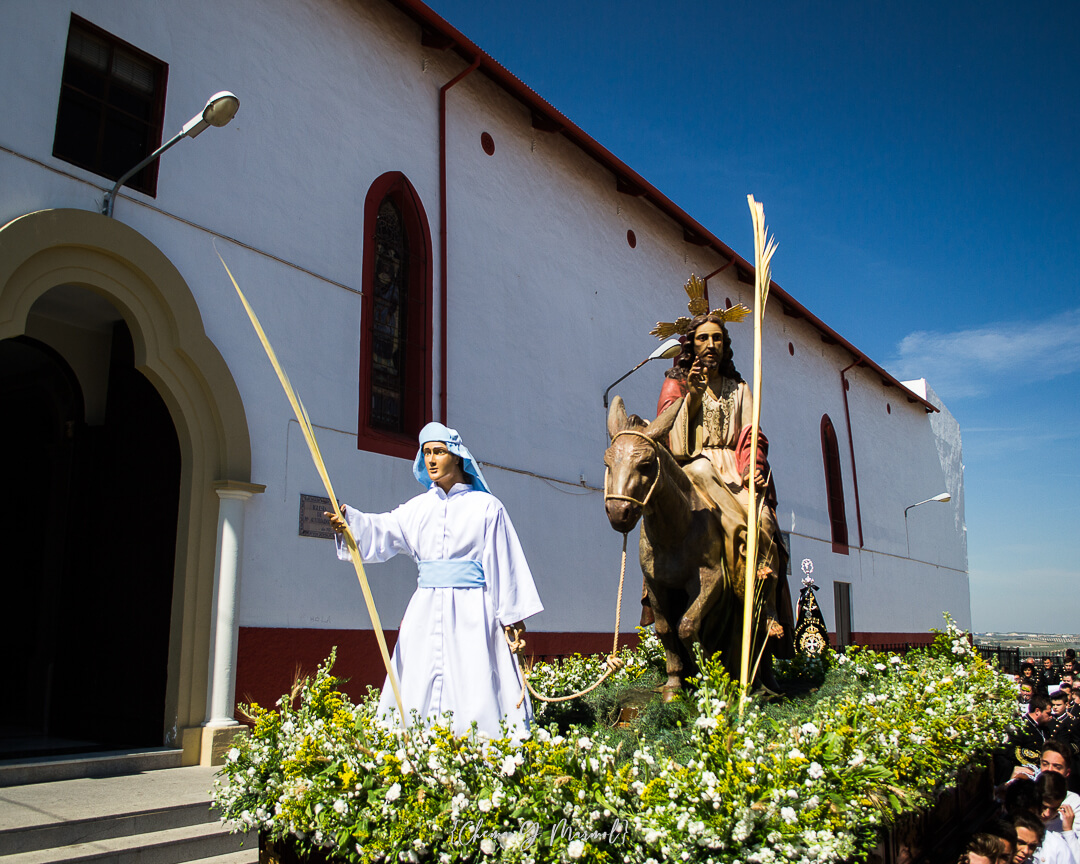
{"x":220,"y":109}
{"x":664,"y":351}
{"x":942,"y":497}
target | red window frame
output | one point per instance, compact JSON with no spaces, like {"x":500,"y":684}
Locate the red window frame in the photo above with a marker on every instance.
{"x":834,"y":486}
{"x":419,"y":333}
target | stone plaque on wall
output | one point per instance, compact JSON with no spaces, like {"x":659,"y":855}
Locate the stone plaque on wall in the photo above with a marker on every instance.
{"x":312,"y":521}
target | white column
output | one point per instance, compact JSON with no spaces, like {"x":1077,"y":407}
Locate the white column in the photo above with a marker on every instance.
{"x":221,"y":686}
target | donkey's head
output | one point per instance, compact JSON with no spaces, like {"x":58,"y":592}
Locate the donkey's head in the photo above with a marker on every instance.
{"x":633,"y":463}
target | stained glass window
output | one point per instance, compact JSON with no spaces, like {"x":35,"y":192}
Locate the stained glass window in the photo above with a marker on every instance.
{"x":396,"y":327}
{"x":834,"y":484}
{"x":390,"y":320}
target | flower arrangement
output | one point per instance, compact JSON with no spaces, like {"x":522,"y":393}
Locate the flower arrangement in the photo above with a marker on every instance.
{"x":807,"y":781}
{"x":575,"y":673}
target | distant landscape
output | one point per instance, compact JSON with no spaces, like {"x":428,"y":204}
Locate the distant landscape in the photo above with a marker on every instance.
{"x":1050,"y":643}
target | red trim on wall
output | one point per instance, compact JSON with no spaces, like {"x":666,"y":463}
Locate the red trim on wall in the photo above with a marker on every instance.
{"x":418,"y":374}
{"x":268,"y":659}
{"x":844,"y":387}
{"x":834,"y":486}
{"x":886,"y":641}
{"x":444,"y":310}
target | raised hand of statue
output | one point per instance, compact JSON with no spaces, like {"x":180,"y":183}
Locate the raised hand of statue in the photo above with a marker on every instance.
{"x":336,"y":522}
{"x":697,"y":379}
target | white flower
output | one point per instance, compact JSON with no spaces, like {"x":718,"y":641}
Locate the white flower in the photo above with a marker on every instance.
{"x":808,"y":729}
{"x":576,"y":849}
{"x":881,"y":667}
{"x":704,"y":722}
{"x":795,"y":753}
{"x":894,"y":660}
{"x":513,"y":840}
{"x":584,"y":743}
{"x":487,"y":846}
{"x":340,"y":806}
{"x":788,"y":814}
{"x":234,"y":754}
{"x":816,"y":771}
{"x":485,"y":805}
{"x":509,"y":765}
{"x":394,"y":792}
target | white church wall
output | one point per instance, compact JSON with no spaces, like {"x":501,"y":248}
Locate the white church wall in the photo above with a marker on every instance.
{"x":548,"y":305}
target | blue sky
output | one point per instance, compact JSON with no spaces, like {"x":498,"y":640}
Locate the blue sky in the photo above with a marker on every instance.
{"x":918,"y":165}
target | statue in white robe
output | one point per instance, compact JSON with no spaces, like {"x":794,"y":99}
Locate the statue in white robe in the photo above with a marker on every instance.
{"x":451,"y":654}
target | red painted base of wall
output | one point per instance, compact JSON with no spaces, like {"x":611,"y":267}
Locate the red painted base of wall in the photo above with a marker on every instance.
{"x":887,"y":641}
{"x":269,"y":659}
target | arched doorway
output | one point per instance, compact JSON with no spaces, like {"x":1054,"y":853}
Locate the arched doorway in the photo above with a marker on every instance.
{"x":89,"y":589}
{"x":169,"y":356}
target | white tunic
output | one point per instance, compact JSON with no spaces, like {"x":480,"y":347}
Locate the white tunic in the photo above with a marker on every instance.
{"x":1054,"y":850}
{"x":451,"y":654}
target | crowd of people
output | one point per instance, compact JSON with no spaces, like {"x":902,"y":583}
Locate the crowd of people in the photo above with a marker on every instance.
{"x":1039,"y":800}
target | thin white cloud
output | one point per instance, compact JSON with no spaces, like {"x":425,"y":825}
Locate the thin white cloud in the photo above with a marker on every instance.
{"x":968,"y":363}
{"x":988,"y":442}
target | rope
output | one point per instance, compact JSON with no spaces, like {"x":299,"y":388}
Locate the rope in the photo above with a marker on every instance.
{"x":614,"y":664}
{"x":618,"y":601}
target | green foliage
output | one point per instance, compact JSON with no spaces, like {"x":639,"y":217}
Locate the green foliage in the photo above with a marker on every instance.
{"x":801,"y":673}
{"x":808,"y":780}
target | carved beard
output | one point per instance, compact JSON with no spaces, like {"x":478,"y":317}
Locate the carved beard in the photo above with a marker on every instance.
{"x":710,"y":360}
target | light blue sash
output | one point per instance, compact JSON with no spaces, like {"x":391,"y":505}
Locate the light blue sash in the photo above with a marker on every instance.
{"x":450,"y":574}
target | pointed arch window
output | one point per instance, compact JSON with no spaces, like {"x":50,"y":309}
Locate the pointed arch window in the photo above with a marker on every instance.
{"x":395,"y":326}
{"x":834,"y":486}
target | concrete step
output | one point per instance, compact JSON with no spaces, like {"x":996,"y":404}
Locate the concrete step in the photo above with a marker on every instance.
{"x":248,"y":855}
{"x":49,"y":769}
{"x":75,"y":831}
{"x":170,"y":846}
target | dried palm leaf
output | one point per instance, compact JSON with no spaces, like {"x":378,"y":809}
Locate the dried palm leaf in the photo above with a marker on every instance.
{"x":320,"y":466}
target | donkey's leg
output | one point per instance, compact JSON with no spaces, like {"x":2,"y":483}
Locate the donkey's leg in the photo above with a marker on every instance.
{"x":705,"y":589}
{"x":710,"y":583}
{"x":660,"y":599}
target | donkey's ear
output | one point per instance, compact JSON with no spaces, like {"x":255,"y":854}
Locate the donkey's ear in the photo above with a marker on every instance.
{"x":616,"y":418}
{"x":661,"y":426}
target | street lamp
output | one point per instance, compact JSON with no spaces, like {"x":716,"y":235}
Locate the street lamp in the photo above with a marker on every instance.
{"x":220,"y":109}
{"x":942,"y":497}
{"x":665,"y":351}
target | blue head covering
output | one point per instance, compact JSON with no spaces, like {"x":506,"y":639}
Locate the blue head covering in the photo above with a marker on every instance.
{"x":450,"y":437}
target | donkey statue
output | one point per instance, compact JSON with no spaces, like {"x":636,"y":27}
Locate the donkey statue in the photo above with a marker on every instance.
{"x":682,"y":544}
